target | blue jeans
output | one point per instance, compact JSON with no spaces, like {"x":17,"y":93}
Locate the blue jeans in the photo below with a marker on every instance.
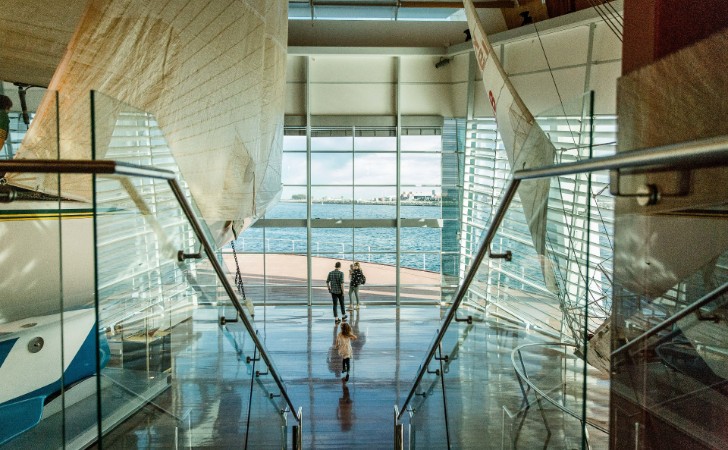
{"x":340,"y":297}
{"x":353,"y":291}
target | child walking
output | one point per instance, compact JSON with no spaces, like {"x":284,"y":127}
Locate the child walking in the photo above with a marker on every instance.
{"x":343,"y":344}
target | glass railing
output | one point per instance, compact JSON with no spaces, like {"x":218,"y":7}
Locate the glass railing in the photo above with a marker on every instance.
{"x":495,"y":379}
{"x":490,"y":382}
{"x":185,"y":282}
{"x":472,"y":392}
{"x":670,"y":341}
{"x":577,"y":225}
{"x":170,"y":372}
{"x":47,"y":327}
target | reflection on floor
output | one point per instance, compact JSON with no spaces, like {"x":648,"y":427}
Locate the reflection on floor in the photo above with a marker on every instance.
{"x":211,"y":388}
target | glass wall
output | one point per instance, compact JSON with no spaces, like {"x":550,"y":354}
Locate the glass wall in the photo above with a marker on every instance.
{"x":350,"y":195}
{"x":569,"y":236}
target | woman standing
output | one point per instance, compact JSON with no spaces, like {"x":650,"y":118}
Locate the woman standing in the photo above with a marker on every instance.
{"x":356,"y":279}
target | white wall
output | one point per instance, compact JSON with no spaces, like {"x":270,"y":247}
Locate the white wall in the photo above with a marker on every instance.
{"x":532,"y":61}
{"x":347,"y":83}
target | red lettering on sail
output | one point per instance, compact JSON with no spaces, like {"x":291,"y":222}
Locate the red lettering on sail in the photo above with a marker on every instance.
{"x":479,"y":55}
{"x":484,"y":45}
{"x":492,"y":100}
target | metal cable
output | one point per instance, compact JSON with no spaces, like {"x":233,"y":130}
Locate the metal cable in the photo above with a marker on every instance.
{"x":608,"y":20}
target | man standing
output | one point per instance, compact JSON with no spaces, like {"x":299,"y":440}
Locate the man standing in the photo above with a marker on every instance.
{"x":335,"y":283}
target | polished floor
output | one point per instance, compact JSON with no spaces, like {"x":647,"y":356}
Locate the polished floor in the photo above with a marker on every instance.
{"x":213,"y":386}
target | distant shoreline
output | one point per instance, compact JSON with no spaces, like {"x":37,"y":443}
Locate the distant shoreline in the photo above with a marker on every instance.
{"x":370,"y":202}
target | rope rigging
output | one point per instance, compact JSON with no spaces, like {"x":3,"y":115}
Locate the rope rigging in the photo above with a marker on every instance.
{"x":238,"y":275}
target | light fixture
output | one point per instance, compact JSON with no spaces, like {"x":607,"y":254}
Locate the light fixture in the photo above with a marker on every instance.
{"x":442,"y":62}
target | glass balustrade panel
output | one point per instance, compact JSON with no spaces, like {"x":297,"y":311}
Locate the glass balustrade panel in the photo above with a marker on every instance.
{"x":669,"y":381}
{"x":543,"y":275}
{"x":47,"y":327}
{"x":426,"y":425}
{"x":182,"y":365}
{"x":537,"y":297}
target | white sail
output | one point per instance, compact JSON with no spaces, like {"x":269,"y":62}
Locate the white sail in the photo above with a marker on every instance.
{"x":212,"y":74}
{"x":527,"y":146}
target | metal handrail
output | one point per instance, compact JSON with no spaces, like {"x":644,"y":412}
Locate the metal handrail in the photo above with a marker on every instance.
{"x":697,"y":304}
{"x":686,"y":154}
{"x":106,"y":167}
{"x":697,"y":153}
{"x":543,"y":394}
{"x":81,"y":166}
{"x":483,"y":249}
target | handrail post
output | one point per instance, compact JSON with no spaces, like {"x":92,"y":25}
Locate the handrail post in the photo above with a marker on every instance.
{"x":296,"y":435}
{"x":398,"y":431}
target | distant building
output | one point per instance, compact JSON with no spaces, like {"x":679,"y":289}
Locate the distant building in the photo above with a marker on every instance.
{"x":419,"y":196}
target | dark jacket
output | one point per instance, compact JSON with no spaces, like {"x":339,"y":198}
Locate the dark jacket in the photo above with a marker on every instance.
{"x":357,"y":278}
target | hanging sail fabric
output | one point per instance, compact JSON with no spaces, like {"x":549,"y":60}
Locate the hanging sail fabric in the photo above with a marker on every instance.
{"x":527,"y":146}
{"x":211,"y":73}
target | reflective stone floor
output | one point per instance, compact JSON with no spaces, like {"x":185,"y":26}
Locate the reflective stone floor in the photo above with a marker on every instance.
{"x":211,"y":393}
{"x":359,"y":413}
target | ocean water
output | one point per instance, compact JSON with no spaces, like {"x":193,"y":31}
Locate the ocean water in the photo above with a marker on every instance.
{"x":420,"y":247}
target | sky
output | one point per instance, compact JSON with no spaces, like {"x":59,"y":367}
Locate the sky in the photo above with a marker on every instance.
{"x":335,"y":167}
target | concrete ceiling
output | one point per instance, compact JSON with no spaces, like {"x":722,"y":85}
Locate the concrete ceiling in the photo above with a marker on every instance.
{"x":35,"y":34}
{"x":357,"y":33}
{"x":387,"y":23}
{"x":420,"y":23}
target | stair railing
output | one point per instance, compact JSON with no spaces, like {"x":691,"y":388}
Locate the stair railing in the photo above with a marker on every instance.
{"x":689,"y":309}
{"x":105,"y":167}
{"x":685,"y":155}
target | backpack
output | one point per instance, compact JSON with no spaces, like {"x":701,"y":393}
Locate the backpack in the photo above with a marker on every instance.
{"x":363,"y":278}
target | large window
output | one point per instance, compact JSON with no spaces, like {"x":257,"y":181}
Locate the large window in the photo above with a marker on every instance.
{"x":350,"y":197}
